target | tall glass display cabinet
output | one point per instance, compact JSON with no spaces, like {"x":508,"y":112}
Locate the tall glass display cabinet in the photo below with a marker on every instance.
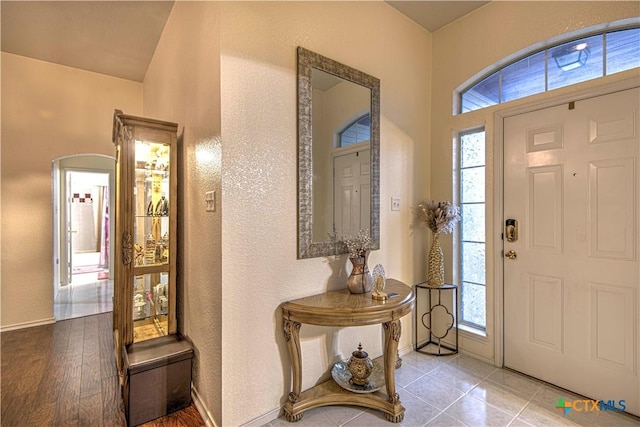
{"x":145,"y":238}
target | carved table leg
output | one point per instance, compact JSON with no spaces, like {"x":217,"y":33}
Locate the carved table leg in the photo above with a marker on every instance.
{"x":392,"y":332}
{"x":292,"y":335}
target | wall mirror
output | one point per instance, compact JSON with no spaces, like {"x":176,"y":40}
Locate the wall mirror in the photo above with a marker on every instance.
{"x":338,"y":155}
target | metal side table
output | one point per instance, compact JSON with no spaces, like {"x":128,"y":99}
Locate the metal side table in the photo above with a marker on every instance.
{"x":435,"y":345}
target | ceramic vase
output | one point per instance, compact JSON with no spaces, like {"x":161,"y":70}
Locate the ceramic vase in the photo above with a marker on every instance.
{"x":360,"y":280}
{"x":435,"y":276}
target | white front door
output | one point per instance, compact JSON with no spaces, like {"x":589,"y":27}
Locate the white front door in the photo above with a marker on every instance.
{"x":571,"y":180}
{"x":351,"y":193}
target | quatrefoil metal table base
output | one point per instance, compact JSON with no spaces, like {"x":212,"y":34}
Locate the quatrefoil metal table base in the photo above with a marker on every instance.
{"x":445,"y":321}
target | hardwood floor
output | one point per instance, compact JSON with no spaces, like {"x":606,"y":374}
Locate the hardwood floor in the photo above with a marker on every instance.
{"x":64,"y":374}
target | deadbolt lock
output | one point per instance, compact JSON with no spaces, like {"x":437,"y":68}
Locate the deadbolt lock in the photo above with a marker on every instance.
{"x":511,"y":254}
{"x":511,"y":230}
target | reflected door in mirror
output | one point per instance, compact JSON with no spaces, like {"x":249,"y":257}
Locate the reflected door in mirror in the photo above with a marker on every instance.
{"x":352,"y":189}
{"x":340,"y":123}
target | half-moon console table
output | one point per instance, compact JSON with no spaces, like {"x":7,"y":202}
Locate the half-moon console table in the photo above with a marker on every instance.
{"x":341,"y":308}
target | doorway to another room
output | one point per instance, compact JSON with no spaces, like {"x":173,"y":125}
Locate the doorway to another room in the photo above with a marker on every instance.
{"x":83,"y":278}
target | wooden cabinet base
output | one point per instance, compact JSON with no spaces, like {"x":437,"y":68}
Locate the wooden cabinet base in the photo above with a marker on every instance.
{"x":158,"y":378}
{"x":330,"y":393}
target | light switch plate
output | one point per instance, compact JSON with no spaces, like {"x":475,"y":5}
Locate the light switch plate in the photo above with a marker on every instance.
{"x":210,"y":200}
{"x":395,"y":203}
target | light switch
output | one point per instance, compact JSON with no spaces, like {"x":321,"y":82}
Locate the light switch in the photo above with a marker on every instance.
{"x":210,"y":200}
{"x":395,"y":203}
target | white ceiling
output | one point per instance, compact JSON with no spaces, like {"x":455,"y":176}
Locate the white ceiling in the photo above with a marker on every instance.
{"x":119,"y":38}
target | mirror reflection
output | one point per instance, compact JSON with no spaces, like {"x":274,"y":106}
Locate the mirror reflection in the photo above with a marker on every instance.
{"x":341,"y":126}
{"x":338,"y":154}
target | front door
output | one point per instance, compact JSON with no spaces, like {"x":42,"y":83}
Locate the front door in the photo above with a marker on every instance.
{"x":571,"y":279}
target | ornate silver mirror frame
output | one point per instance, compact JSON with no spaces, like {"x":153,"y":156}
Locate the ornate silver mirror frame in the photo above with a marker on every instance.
{"x":308,"y":60}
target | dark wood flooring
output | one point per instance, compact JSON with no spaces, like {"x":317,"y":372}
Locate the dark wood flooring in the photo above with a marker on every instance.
{"x":64,"y":374}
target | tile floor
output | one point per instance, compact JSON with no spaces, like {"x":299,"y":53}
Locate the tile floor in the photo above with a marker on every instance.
{"x":459,"y":390}
{"x":86,"y":295}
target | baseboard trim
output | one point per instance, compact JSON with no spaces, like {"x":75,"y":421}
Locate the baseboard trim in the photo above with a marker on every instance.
{"x":25,"y":325}
{"x":202,"y":409}
{"x":264,"y":419}
{"x":405,"y":350}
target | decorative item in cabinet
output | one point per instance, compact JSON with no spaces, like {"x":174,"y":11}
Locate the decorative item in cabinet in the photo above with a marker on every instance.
{"x":146,"y":226}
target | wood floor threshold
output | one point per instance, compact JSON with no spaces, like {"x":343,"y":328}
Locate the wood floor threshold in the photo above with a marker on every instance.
{"x":64,"y":374}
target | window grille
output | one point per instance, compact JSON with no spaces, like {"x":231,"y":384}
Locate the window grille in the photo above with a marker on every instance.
{"x":358,"y":131}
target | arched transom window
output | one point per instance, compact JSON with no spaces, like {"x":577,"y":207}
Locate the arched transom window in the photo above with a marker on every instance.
{"x":555,"y":67}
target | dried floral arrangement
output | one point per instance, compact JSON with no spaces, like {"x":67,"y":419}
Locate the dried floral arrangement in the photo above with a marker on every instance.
{"x":440,"y":217}
{"x":358,"y":245}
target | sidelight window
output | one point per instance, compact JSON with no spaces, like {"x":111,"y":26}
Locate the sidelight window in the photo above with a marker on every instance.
{"x":471,"y":235}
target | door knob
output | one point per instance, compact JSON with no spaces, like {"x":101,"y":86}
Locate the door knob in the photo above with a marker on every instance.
{"x":511,"y":254}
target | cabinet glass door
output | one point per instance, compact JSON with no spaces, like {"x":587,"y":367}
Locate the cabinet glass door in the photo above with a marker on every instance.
{"x":151,"y":192}
{"x":151,"y":195}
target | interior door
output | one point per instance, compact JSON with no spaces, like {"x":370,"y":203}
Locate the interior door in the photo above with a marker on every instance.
{"x":352,"y":193}
{"x":571,"y":277}
{"x":67,"y":243}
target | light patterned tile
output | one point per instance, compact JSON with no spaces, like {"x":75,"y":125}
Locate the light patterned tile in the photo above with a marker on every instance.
{"x":517,"y":422}
{"x":424,"y":362}
{"x":407,"y":374}
{"x":341,"y":414}
{"x":519,"y":384}
{"x":499,"y":397}
{"x":548,"y":396}
{"x":473,"y":366}
{"x":417,"y":411}
{"x":444,"y":420}
{"x":369,"y":418}
{"x":475,"y":412}
{"x":434,"y":392}
{"x":536,"y":415}
{"x":615,"y":419}
{"x":454,"y":377}
{"x":448,"y":391}
{"x":311,"y":418}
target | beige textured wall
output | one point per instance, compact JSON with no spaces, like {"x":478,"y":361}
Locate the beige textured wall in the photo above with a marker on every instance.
{"x":183,"y":85}
{"x":259,"y":185}
{"x":238,"y":99}
{"x":467,"y":47}
{"x":48,"y":111}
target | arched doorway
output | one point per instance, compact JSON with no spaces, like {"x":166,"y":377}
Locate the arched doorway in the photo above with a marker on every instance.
{"x":83,"y":196}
